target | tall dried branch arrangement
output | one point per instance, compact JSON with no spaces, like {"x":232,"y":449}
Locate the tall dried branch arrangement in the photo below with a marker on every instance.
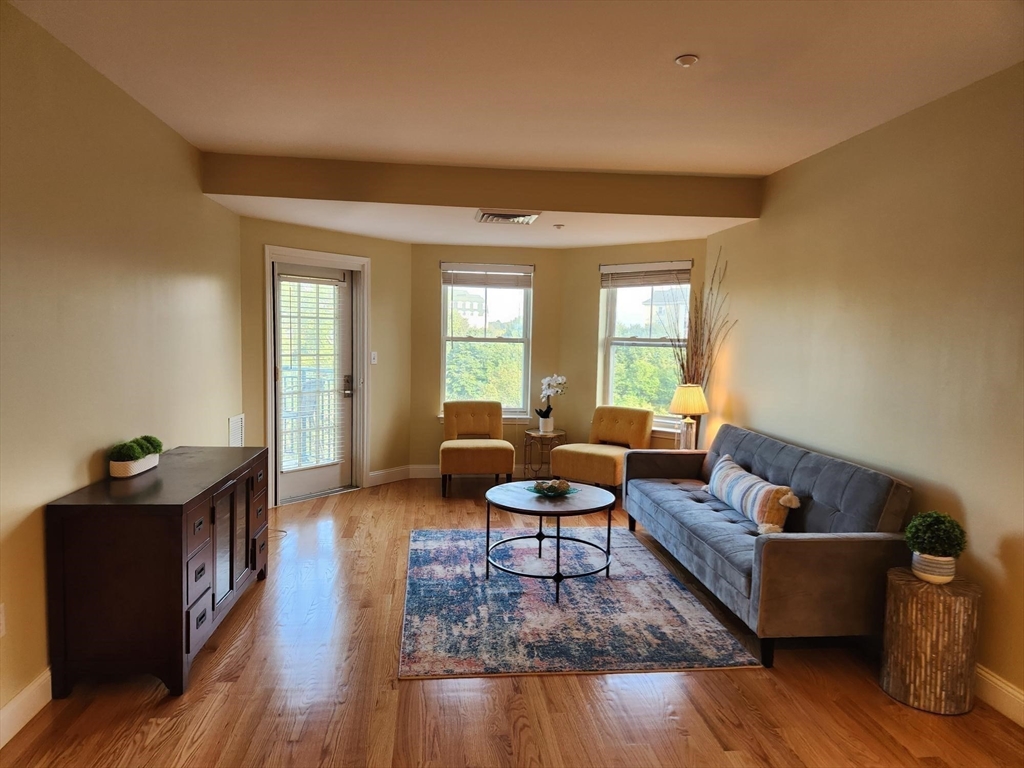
{"x":707,"y":330}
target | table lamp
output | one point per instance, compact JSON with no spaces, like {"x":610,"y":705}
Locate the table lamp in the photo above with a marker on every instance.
{"x":688,"y":401}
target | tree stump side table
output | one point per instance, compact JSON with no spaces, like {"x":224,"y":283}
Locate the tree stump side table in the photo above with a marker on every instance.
{"x":931,"y":641}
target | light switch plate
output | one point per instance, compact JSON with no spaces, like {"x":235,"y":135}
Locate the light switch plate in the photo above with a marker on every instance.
{"x":373,"y":358}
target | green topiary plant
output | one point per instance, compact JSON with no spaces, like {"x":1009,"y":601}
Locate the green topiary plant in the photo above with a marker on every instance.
{"x":936,"y":534}
{"x":154,"y":443}
{"x":125,"y":452}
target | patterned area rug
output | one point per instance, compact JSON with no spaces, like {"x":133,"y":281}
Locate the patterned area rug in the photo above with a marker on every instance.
{"x":457,"y":624}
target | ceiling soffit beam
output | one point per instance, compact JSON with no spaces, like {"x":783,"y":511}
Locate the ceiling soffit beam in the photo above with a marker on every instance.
{"x":582,"y":191}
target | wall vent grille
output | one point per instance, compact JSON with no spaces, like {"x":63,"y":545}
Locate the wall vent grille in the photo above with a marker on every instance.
{"x":503,"y":216}
{"x":236,"y":430}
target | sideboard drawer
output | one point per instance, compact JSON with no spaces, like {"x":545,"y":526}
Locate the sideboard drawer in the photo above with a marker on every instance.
{"x":197,"y":528}
{"x":259,"y":478}
{"x":200,"y":623}
{"x":257,"y":513}
{"x":199,"y":573}
{"x":260,"y":552}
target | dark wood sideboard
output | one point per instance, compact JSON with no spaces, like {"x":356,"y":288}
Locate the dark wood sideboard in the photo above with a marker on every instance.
{"x":141,"y":571}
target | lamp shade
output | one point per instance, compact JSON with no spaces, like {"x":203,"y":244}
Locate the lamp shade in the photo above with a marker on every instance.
{"x":689,"y":401}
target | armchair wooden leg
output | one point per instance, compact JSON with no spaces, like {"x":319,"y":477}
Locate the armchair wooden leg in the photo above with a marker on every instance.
{"x":767,"y":652}
{"x":632,"y":523}
{"x":508,"y":477}
{"x":497,"y":479}
{"x":444,"y":486}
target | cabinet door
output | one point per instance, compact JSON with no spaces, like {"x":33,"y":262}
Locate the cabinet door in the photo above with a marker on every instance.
{"x":240,"y":530}
{"x":223,"y":526}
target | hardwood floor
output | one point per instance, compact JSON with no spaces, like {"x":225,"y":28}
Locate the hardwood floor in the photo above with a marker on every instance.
{"x":303,"y":673}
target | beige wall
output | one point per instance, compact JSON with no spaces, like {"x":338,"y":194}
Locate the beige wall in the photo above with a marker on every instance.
{"x":390,"y":290}
{"x":566,"y":323}
{"x":879,"y":300}
{"x":119,"y":302}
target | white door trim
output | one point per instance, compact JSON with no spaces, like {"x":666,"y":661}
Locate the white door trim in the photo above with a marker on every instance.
{"x":360,"y":268}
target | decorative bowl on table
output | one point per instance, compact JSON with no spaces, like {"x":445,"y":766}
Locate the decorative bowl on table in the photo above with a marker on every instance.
{"x":552,"y":488}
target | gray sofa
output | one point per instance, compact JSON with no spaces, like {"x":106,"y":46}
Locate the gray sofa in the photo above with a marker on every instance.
{"x":823,"y":576}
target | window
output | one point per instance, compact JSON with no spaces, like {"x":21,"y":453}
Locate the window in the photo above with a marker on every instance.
{"x":646,"y":308}
{"x":485,"y":325}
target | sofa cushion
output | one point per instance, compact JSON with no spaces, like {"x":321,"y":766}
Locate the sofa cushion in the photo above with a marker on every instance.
{"x":589,"y":462}
{"x":758,"y":500}
{"x":707,"y":526}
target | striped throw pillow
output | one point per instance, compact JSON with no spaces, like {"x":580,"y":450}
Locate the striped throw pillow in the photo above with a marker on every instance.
{"x":764,"y":503}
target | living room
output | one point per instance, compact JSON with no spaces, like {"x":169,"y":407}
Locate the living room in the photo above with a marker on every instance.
{"x":859,"y":168}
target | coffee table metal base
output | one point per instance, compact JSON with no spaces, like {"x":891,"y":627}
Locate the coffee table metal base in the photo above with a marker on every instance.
{"x":558,"y":577}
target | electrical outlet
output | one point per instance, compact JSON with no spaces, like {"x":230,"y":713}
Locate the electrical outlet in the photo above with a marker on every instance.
{"x":373,"y":358}
{"x":3,"y":619}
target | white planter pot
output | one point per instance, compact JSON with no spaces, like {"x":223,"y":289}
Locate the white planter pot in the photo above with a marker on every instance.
{"x":934,"y":570}
{"x":132,"y":468}
{"x":547,"y":425}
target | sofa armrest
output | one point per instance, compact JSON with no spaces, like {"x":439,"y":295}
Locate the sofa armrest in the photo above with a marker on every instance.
{"x":822,"y":584}
{"x":678,"y":465}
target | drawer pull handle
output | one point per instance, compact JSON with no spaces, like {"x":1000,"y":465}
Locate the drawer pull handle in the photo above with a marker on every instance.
{"x":259,"y":476}
{"x":200,"y":572}
{"x":201,"y":619}
{"x":197,"y":526}
{"x":263,"y":545}
{"x":259,"y":511}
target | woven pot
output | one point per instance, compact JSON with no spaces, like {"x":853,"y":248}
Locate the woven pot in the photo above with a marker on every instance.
{"x":132,"y":468}
{"x":933,"y":569}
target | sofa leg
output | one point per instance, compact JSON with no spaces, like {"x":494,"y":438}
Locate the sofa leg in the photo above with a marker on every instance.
{"x":632,"y":523}
{"x":444,"y":486}
{"x":767,"y":652}
{"x":508,"y":477}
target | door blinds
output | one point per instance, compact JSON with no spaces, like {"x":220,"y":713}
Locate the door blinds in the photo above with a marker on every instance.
{"x":487,"y":275}
{"x":650,"y":273}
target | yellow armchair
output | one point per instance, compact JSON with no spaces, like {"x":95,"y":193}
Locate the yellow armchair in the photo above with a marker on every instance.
{"x":473,"y":443}
{"x":613,"y":431}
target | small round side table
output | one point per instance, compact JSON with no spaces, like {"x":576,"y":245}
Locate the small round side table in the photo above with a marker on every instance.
{"x":931,"y":642}
{"x":537,"y":447}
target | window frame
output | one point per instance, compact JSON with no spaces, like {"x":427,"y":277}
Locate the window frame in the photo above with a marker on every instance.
{"x":667,"y":422}
{"x":526,"y":341}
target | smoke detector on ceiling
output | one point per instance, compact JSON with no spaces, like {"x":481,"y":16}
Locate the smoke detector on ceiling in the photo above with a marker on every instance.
{"x":506,"y":216}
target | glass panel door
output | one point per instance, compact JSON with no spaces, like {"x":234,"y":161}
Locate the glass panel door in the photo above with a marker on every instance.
{"x":314,"y":382}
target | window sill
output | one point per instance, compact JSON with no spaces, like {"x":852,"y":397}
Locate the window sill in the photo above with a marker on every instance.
{"x":505,"y":419}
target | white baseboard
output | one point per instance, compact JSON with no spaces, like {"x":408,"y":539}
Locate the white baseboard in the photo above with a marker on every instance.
{"x":16,"y":714}
{"x":381,"y":476}
{"x":1000,"y":694}
{"x":417,"y":472}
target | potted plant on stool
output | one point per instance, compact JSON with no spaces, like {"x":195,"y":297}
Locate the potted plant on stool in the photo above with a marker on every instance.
{"x":135,"y":456}
{"x":936,"y":541}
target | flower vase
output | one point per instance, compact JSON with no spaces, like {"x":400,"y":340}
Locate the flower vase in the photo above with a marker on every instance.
{"x":547,"y":425}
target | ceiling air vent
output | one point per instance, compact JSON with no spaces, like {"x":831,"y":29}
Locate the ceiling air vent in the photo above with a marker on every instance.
{"x":499,"y":216}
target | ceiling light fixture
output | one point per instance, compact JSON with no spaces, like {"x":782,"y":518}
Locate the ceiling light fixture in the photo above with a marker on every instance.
{"x":558,"y":226}
{"x":687,"y":60}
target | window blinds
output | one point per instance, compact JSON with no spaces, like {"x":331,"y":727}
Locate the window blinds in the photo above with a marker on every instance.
{"x":487,"y":275}
{"x":650,"y":273}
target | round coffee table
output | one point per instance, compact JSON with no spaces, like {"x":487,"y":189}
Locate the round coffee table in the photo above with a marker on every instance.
{"x":514,"y":497}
